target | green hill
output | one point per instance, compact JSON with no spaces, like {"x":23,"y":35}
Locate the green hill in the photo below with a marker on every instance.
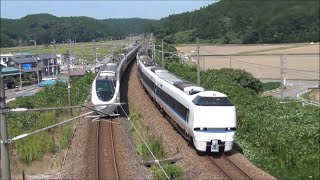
{"x":226,"y":21}
{"x":45,"y":27}
{"x":246,"y":21}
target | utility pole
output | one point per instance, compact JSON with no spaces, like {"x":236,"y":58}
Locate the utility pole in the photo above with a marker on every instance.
{"x":69,"y":85}
{"x":154,"y":50}
{"x":162,"y":54}
{"x":54,"y":53}
{"x":35,"y":48}
{"x":94,"y":55}
{"x":51,"y":59}
{"x":5,"y":160}
{"x":112,"y":48}
{"x":83,"y":61}
{"x":283,"y":73}
{"x":20,"y":65}
{"x":198,"y":62}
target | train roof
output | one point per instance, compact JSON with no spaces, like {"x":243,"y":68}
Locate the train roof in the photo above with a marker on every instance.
{"x":108,"y":71}
{"x":185,"y":86}
{"x":212,"y":94}
{"x":110,"y":66}
{"x":146,"y":60}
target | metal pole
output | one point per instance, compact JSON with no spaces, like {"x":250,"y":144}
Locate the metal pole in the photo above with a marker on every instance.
{"x":162,"y":55}
{"x":230,"y":63}
{"x":20,"y":74}
{"x":154,"y":50}
{"x":20,"y":65}
{"x":69,"y":85}
{"x":48,"y":67}
{"x":52,"y":59}
{"x":94,"y":55}
{"x":82,"y":59}
{"x":198,"y":62}
{"x":55,"y":53}
{"x":152,"y":55}
{"x":5,"y":160}
{"x":35,"y":46}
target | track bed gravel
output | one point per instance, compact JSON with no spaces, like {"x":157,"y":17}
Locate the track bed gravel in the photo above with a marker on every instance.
{"x":194,"y":166}
{"x":80,"y":161}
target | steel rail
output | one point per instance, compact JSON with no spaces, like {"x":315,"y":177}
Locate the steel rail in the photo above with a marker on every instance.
{"x":115,"y":165}
{"x":230,"y":163}
{"x":97,"y":150}
{"x":100,"y":159}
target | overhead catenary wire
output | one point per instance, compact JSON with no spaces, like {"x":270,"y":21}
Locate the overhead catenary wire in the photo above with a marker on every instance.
{"x":156,"y":160}
{"x":43,"y":129}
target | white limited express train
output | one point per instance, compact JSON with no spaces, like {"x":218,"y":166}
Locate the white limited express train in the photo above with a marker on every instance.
{"x":105,"y":92}
{"x":205,"y":118}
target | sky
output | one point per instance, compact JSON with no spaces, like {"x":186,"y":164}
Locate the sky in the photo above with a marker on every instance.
{"x":150,"y":9}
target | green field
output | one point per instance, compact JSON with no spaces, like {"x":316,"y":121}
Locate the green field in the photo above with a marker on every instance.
{"x":103,"y":48}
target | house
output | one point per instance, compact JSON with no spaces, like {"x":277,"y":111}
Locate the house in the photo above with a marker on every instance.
{"x":4,"y":58}
{"x":49,"y":64}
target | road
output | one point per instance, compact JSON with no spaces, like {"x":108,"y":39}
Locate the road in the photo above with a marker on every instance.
{"x":294,"y":87}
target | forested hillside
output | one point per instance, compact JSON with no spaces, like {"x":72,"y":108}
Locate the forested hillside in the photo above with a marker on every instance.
{"x":45,"y":27}
{"x":246,"y":21}
{"x":226,"y":21}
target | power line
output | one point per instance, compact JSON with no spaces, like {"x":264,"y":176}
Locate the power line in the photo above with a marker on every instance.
{"x":155,"y":159}
{"x":43,"y":129}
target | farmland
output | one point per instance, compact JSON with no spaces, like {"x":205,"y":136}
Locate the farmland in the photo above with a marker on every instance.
{"x":263,"y":61}
{"x":103,"y":48}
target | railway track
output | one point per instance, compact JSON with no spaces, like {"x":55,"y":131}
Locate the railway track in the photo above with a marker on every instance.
{"x":105,"y":152}
{"x":231,"y":170}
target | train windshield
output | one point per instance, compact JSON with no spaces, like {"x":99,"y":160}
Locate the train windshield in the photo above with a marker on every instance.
{"x":105,"y":89}
{"x":212,"y":101}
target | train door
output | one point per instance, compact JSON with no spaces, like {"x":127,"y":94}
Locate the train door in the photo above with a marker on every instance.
{"x":187,"y":116}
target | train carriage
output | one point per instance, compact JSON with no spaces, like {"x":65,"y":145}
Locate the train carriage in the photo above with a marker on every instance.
{"x":205,"y":118}
{"x":106,"y":86}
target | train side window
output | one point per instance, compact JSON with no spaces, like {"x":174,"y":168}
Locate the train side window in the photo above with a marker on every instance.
{"x":187,"y":116}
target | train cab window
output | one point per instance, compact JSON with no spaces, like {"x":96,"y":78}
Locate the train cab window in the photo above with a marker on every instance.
{"x":212,"y":101}
{"x":105,"y":89}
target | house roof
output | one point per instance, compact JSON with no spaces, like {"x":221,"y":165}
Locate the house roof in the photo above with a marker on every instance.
{"x":9,"y":71}
{"x":47,"y":56}
{"x":80,"y":72}
{"x":6,"y":55}
{"x":24,"y":60}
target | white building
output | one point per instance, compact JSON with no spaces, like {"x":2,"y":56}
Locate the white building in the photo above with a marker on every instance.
{"x":4,"y":58}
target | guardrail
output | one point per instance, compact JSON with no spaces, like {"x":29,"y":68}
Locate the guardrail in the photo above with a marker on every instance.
{"x":306,"y":101}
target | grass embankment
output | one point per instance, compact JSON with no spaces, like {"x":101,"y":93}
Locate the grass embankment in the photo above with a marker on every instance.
{"x":53,"y":140}
{"x":270,"y":86}
{"x":313,"y":95}
{"x":86,"y":49}
{"x":282,"y":139}
{"x":155,"y":145}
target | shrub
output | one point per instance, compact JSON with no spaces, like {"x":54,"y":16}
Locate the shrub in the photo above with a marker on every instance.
{"x":35,"y":146}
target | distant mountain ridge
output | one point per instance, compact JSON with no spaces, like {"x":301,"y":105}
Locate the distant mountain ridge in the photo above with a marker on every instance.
{"x":45,"y":27}
{"x":224,"y":22}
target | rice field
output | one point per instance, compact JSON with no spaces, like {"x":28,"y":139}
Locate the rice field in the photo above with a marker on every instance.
{"x":263,"y":61}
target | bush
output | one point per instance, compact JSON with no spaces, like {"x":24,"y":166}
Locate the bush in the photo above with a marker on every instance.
{"x":283,"y":139}
{"x":173,"y":171}
{"x":35,"y":146}
{"x":270,"y":85}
